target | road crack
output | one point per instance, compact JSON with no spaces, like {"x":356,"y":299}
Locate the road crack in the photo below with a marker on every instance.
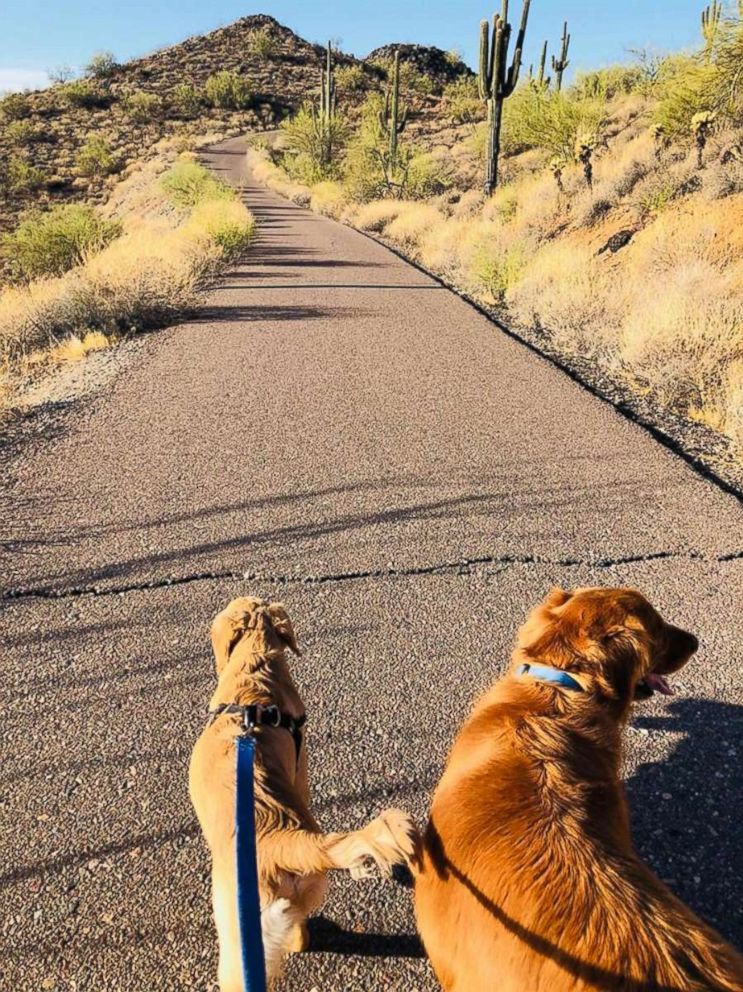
{"x":465,"y":566}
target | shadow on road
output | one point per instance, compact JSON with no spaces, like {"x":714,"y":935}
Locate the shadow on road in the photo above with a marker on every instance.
{"x":326,"y":936}
{"x":687,"y":809}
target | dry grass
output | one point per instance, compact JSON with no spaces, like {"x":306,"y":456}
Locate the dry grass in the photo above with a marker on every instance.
{"x":412,"y":223}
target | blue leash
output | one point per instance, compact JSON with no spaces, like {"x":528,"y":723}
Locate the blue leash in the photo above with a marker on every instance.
{"x":248,"y":902}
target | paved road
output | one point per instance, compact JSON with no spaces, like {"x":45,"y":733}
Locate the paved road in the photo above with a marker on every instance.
{"x":359,"y":442}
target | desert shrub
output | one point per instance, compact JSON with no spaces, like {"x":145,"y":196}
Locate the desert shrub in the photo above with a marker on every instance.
{"x":225,"y":222}
{"x":22,"y":177}
{"x":687,"y":88}
{"x":102,"y":65}
{"x":368,"y":172}
{"x":15,"y":106}
{"x":425,"y":175}
{"x":607,"y":83}
{"x":494,"y":268}
{"x":377,"y":214}
{"x":551,"y":121}
{"x":350,"y":78}
{"x":329,"y":198}
{"x":50,"y":243}
{"x":61,"y":74}
{"x":96,"y":158}
{"x":142,"y":107}
{"x":263,"y":43}
{"x":680,"y":351}
{"x":82,"y":94}
{"x":312,"y":145}
{"x":462,"y":103}
{"x":186,"y":101}
{"x":187,"y":183}
{"x":227,"y":91}
{"x":412,"y":223}
{"x":21,"y":133}
{"x":563,"y":293}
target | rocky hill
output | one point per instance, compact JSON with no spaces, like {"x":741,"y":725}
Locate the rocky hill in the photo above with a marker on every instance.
{"x":438,"y":66}
{"x":73,"y":140}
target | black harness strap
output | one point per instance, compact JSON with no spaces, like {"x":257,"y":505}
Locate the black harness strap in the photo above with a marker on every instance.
{"x":256,"y":715}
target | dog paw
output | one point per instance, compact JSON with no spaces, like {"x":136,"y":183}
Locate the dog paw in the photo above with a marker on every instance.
{"x":399,"y":832}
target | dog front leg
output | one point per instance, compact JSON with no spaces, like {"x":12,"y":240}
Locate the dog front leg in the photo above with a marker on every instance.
{"x":388,"y":840}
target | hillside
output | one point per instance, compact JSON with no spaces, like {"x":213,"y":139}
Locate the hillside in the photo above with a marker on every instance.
{"x":74,"y":140}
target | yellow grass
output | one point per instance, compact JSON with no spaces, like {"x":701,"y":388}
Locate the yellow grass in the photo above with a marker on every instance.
{"x":412,"y":223}
{"x":75,"y":347}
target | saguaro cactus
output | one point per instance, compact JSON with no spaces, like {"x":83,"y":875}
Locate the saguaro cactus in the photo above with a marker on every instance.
{"x":393,"y":118}
{"x":497,"y":80}
{"x":711,"y":16}
{"x":324,"y":114}
{"x":541,"y":82}
{"x":560,"y":65}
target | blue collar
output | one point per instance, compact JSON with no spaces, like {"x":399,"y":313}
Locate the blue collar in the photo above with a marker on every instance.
{"x":546,"y":674}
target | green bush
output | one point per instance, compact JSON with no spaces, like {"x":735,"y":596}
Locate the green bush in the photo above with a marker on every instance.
{"x":551,"y":121}
{"x":48,"y":244}
{"x":142,"y":107}
{"x":425,"y":176}
{"x":21,"y":133}
{"x":96,"y":158}
{"x":462,"y":103}
{"x":227,"y":90}
{"x":186,"y":100}
{"x":21,"y":176}
{"x":313,"y":146}
{"x":15,"y":106}
{"x":605,"y":84}
{"x":82,"y":94}
{"x":263,"y":43}
{"x":102,"y":65}
{"x":350,"y":78}
{"x":188,"y":183}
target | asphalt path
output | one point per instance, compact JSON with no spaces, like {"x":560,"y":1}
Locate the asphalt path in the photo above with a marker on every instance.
{"x":336,"y":430}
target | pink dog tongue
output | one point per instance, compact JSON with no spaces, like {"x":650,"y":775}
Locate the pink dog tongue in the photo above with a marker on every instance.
{"x":659,"y":684}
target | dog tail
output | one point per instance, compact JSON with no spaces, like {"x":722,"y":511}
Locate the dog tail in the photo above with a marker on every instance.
{"x":278,"y":919}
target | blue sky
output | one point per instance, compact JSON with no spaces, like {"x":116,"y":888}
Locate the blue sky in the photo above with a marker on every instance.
{"x":38,"y":35}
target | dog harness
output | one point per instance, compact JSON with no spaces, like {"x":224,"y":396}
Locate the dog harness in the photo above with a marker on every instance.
{"x":543,"y":673}
{"x":256,"y":715}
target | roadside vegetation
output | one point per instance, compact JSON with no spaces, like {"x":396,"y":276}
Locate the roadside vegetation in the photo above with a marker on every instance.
{"x":86,"y":277}
{"x":615,"y":231}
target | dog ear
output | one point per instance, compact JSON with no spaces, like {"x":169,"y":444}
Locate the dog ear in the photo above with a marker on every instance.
{"x":556,"y":597}
{"x":626,"y":657}
{"x":229,"y":626}
{"x":283,"y":626}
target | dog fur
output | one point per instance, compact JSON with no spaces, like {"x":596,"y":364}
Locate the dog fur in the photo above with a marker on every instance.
{"x":528,"y":881}
{"x":249,"y":638}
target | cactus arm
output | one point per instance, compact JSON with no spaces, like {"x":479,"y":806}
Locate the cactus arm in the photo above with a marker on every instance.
{"x":485,"y":75}
{"x":513,"y":73}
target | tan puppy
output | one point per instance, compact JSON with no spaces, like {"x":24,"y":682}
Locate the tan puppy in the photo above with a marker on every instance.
{"x":249,"y":638}
{"x":528,"y":881}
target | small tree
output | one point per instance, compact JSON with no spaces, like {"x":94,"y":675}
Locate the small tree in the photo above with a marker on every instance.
{"x":102,"y":65}
{"x":228,"y":91}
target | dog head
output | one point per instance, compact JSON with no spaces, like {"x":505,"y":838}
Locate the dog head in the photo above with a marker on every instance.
{"x":259,"y":626}
{"x":612,"y":640}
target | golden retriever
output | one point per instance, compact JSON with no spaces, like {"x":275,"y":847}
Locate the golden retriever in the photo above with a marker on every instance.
{"x":249,"y":638}
{"x":528,"y":881}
